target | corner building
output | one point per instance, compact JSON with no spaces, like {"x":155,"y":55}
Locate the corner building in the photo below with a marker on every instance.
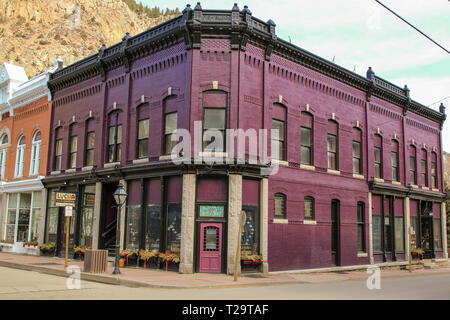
{"x":348,"y":148}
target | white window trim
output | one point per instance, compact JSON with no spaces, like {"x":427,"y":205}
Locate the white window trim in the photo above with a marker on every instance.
{"x":35,"y":158}
{"x":19,"y":160}
{"x":312,"y":222}
{"x":282,"y":221}
{"x":4,"y":153}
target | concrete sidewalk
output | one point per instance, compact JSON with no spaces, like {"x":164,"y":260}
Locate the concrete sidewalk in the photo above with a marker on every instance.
{"x":138,"y":277}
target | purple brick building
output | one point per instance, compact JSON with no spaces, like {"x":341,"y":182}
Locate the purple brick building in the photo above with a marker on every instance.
{"x":359,"y":162}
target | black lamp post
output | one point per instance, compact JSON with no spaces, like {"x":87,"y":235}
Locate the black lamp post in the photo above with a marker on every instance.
{"x":120,"y":196}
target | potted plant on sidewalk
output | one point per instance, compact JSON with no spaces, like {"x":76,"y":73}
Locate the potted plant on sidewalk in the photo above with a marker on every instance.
{"x":172,"y":260}
{"x":251,"y":262}
{"x":148,"y":256}
{"x":48,"y":249}
{"x":130,"y":256}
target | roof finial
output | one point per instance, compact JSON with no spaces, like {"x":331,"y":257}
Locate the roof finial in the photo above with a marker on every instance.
{"x":235,"y":7}
{"x":198,"y":6}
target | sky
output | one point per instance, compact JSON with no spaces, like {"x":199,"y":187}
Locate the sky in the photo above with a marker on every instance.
{"x":357,"y":34}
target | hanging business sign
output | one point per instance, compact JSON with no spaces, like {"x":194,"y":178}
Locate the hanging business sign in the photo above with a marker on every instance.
{"x":64,"y":199}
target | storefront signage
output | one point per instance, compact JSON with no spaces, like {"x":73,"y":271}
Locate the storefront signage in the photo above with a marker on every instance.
{"x":64,"y":199}
{"x":212,"y":211}
{"x":68,"y":211}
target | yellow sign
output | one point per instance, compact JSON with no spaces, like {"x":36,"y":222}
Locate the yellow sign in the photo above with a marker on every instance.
{"x":64,"y":199}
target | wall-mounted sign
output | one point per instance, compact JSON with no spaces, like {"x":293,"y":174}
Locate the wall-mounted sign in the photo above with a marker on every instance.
{"x":68,"y":211}
{"x":212,"y":211}
{"x":64,"y":199}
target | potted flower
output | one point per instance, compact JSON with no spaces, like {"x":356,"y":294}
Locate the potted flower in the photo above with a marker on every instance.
{"x":251,"y":262}
{"x":171,"y":258}
{"x":80,"y":251}
{"x":48,"y":249}
{"x":130,"y":256}
{"x":148,"y":256}
{"x":418,"y":252}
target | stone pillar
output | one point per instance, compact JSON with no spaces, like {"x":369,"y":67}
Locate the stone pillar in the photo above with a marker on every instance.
{"x":372,"y":261}
{"x":264,"y":222}
{"x":41,"y":239}
{"x":3,"y":209}
{"x":234,"y":210}
{"x":188,"y":224}
{"x":96,"y":217}
{"x":123,"y":213}
{"x":407,"y":227}
{"x":444,"y":230}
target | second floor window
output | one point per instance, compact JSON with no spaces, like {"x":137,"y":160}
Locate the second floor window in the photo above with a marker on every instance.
{"x":332,"y":145}
{"x":306,"y":135}
{"x":280,"y":206}
{"x":171,"y":123}
{"x":58,"y":154}
{"x":142,"y":139}
{"x":378,"y":157}
{"x":413,"y":167}
{"x":214,"y":119}
{"x":73,"y":152}
{"x":35,"y":154}
{"x":20,"y":156}
{"x":424,"y":168}
{"x":434,"y":180}
{"x":3,"y":151}
{"x":279,"y":143}
{"x":114,"y":152}
{"x":90,"y":145}
{"x":395,"y":162}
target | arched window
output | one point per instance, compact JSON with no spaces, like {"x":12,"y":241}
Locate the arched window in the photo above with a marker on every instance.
{"x":20,"y":157}
{"x":309,"y":209}
{"x":35,"y":154}
{"x":4,"y":142}
{"x":280,"y":206}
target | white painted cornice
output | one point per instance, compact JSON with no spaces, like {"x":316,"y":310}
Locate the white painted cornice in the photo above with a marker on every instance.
{"x":25,"y":185}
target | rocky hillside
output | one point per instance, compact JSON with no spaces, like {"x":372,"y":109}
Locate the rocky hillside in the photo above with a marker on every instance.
{"x":34,"y":32}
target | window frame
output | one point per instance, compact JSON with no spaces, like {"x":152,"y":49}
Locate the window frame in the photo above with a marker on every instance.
{"x":35,"y":154}
{"x":434,"y":177}
{"x":282,"y":156}
{"x":361,"y":225}
{"x":167,"y":136}
{"x":20,"y":157}
{"x":115,"y":147}
{"x":142,"y":140}
{"x":309,"y":147}
{"x":413,"y":171}
{"x":72,"y":159}
{"x":396,"y":168}
{"x":223,"y":131}
{"x":424,"y":165}
{"x":280,"y":197}
{"x":309,"y":199}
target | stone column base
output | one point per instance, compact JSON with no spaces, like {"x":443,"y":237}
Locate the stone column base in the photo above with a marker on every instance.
{"x":186,"y":268}
{"x":265,"y":267}
{"x":230,"y":269}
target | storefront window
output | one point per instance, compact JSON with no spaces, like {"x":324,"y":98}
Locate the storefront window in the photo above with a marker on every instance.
{"x":35,"y":216}
{"x":399,"y":235}
{"x":153,"y":227}
{"x":437,"y":234}
{"x":133,"y":226}
{"x":11,"y":218}
{"x":376,"y":221}
{"x":52,"y":218}
{"x":88,"y":214}
{"x":250,"y":232}
{"x":174,"y":227}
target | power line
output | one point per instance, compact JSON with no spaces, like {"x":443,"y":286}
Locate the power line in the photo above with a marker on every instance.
{"x":414,"y":27}
{"x":439,"y":101}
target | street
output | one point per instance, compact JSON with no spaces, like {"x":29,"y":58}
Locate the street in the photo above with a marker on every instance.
{"x":19,"y":284}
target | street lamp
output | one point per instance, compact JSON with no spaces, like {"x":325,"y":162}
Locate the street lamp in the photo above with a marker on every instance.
{"x":120,"y":196}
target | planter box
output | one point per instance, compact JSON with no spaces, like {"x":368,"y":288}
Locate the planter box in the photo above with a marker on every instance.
{"x":151,"y":264}
{"x":7,"y":247}
{"x":247,"y":267}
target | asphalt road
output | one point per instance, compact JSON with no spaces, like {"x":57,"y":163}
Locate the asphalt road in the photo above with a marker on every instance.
{"x":18,"y":284}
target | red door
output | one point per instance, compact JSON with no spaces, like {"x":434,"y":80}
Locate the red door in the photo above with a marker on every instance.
{"x":211,"y":247}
